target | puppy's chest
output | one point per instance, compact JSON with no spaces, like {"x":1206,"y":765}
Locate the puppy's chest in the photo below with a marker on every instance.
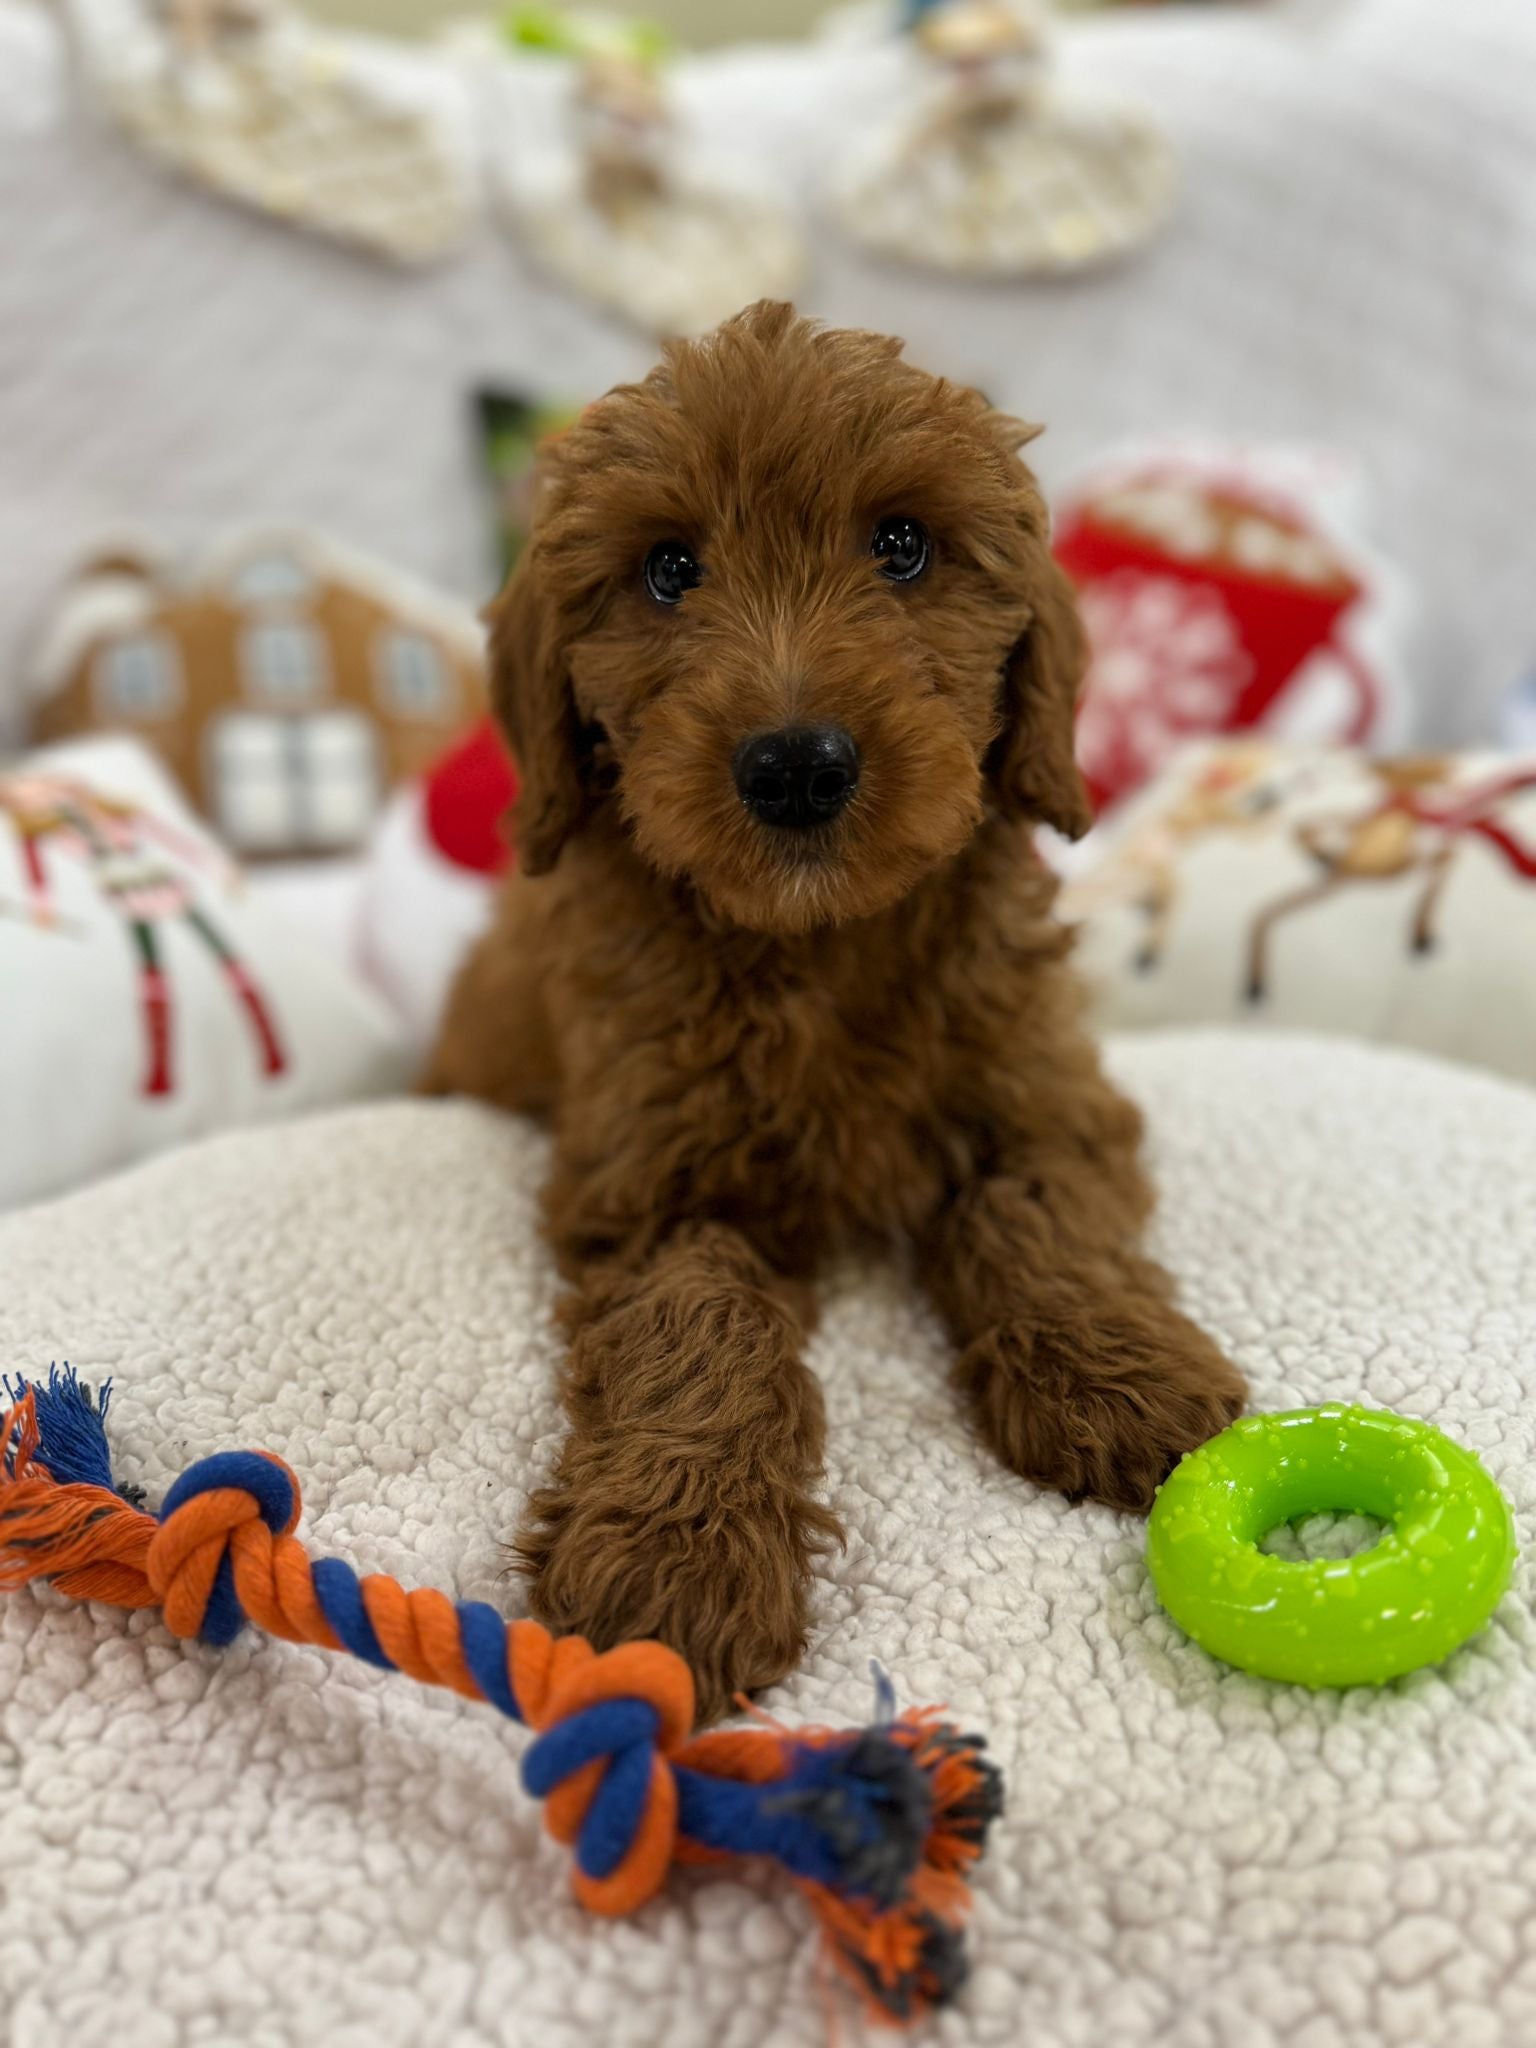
{"x":838,"y":1108}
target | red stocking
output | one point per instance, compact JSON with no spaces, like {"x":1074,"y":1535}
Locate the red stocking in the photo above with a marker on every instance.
{"x":273,"y":1060}
{"x":155,"y":998}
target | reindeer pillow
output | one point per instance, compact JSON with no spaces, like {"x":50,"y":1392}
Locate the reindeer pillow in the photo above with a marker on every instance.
{"x":1321,"y":889}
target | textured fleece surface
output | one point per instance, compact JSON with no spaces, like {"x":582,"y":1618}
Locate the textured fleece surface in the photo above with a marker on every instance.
{"x":266,"y":1846}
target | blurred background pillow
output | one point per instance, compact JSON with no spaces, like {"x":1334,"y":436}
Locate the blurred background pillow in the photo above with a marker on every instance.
{"x":429,"y":881}
{"x":1227,"y":588}
{"x":287,"y":682}
{"x":1322,"y":889}
{"x":148,"y":999}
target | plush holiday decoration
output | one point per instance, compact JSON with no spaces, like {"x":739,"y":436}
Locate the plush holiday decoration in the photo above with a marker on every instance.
{"x":513,"y":427}
{"x":996,"y":170}
{"x":147,"y":872}
{"x":627,"y":215}
{"x":878,"y":1826}
{"x":466,"y":799}
{"x":149,"y":997}
{"x":1222,"y":590}
{"x":257,"y":105}
{"x":1319,"y":889}
{"x":429,"y":883}
{"x":583,"y":31}
{"x":286,"y":682}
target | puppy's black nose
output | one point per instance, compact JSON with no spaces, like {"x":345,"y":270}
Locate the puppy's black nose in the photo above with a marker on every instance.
{"x":801,"y":776}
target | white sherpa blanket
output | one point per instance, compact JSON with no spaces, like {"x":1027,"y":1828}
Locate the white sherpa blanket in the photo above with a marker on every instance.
{"x":263,"y":1845}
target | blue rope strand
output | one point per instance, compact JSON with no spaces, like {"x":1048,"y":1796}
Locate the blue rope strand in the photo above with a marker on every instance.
{"x":483,"y":1639}
{"x":272,"y":1490}
{"x":341,"y":1602}
{"x":71,"y":1425}
{"x":613,"y":1818}
{"x":853,"y":1814}
{"x":244,"y":1471}
{"x":742,"y":1820}
{"x":596,"y":1731}
{"x":223,"y":1617}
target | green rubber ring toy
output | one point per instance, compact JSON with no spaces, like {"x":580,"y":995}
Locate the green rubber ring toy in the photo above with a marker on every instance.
{"x":1432,"y":1580}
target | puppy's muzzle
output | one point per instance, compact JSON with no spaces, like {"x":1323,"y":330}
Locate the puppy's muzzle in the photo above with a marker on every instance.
{"x":801,"y":776}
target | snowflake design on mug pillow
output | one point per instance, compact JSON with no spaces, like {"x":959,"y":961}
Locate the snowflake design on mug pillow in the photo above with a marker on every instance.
{"x":1167,"y":660}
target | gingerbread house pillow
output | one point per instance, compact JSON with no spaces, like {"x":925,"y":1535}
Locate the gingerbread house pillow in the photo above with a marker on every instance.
{"x":287,"y":683}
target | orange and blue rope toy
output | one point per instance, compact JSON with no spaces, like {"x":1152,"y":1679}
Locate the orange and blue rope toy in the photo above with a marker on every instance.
{"x":878,"y":1826}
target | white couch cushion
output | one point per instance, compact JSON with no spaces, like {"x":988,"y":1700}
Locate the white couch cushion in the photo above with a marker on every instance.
{"x":263,"y":1844}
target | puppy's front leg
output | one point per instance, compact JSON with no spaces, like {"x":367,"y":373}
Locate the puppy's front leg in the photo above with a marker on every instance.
{"x":1081,"y":1372}
{"x":680,"y":1507}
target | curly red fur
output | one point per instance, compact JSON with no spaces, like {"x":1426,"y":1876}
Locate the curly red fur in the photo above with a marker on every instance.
{"x":759,"y":1048}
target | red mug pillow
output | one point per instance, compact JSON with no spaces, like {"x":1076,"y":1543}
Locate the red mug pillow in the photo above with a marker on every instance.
{"x":1222,"y":592}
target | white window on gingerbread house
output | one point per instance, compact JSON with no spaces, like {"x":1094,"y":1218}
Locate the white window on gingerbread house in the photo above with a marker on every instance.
{"x":284,"y":785}
{"x":271,"y":579}
{"x":284,"y":662}
{"x":138,"y":678}
{"x":414,"y":676}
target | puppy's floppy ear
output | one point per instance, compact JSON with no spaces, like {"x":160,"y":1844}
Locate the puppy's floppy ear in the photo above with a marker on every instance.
{"x":1032,"y":763}
{"x":531,"y":694}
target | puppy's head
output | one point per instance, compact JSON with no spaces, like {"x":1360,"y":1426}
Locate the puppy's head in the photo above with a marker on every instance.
{"x":790,"y":605}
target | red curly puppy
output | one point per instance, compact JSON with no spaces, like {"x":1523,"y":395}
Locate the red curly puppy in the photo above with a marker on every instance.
{"x":790,"y":674}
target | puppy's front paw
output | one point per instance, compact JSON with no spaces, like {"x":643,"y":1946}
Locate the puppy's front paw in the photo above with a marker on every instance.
{"x":632,"y":1548}
{"x":1100,"y":1409}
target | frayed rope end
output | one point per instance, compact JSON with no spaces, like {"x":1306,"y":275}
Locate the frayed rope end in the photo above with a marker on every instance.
{"x":60,"y":1517}
{"x":70,"y":1418}
{"x":908,"y":1812}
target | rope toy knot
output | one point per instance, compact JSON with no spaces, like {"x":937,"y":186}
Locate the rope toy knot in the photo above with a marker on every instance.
{"x":610,"y":1727}
{"x":227,"y":1507}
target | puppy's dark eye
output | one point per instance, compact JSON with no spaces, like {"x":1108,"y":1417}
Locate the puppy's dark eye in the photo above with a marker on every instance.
{"x":670,"y":571}
{"x":901,"y":547}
